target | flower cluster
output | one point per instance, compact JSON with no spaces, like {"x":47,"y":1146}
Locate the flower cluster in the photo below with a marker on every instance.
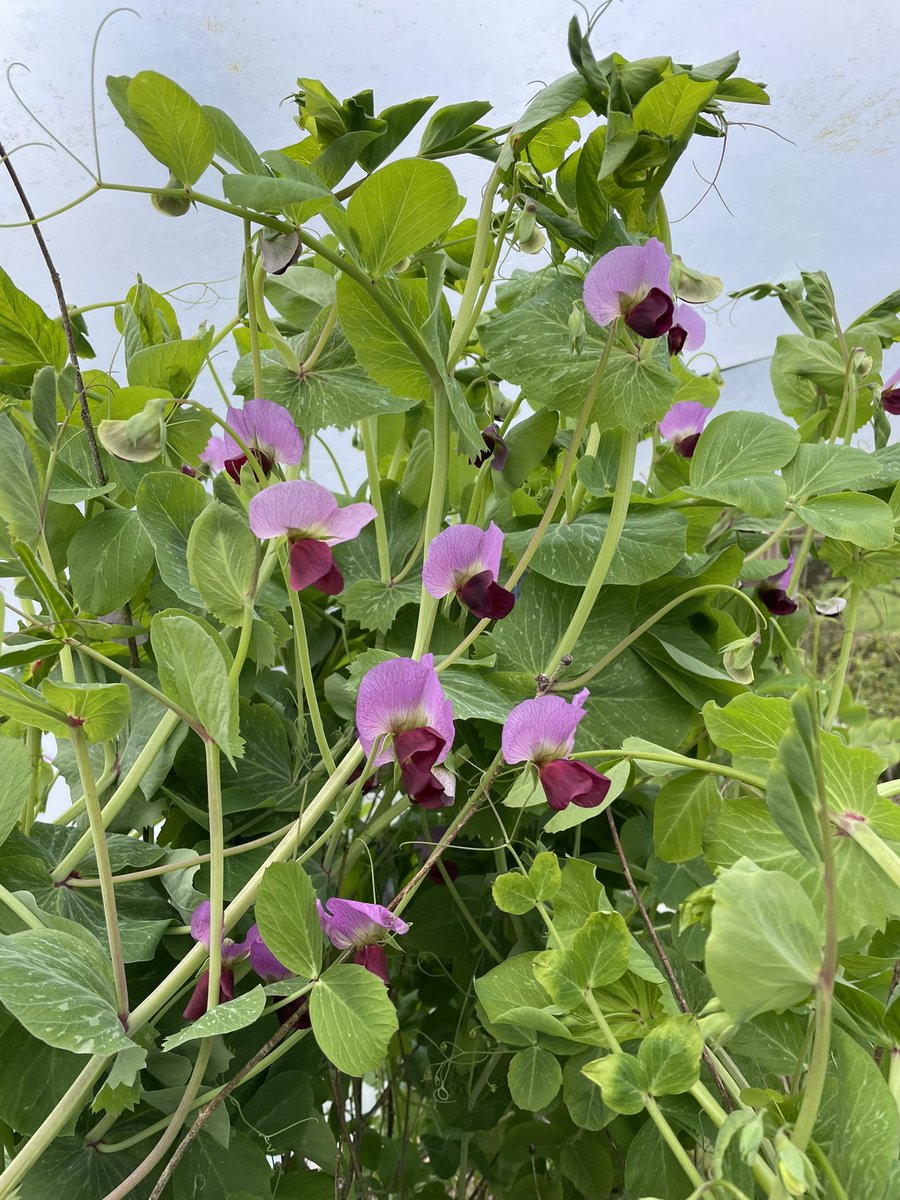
{"x":262,"y":960}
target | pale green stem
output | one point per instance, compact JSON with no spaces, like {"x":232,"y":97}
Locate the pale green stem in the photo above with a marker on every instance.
{"x":321,"y":342}
{"x":894,"y":1074}
{"x":33,"y":742}
{"x":603,"y":663}
{"x":879,"y":851}
{"x":138,"y":682}
{"x":681,"y":760}
{"x":252,"y":321}
{"x":240,"y":655}
{"x":591,"y":447}
{"x":763,"y":1175}
{"x":789,"y":520}
{"x":67,"y":1108}
{"x":104,"y":869}
{"x":22,"y":911}
{"x":368,"y":428}
{"x":800,"y":561}
{"x":466,"y":314}
{"x":600,"y":569}
{"x":172,"y":1127}
{"x":837,"y":684}
{"x":216,"y":870}
{"x":334,"y":462}
{"x":434,"y":513}
{"x":123,"y":793}
{"x":306,"y":684}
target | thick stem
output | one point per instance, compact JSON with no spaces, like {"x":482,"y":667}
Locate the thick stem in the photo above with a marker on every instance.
{"x":104,"y":869}
{"x":434,"y":513}
{"x":33,"y":742}
{"x":467,"y":315}
{"x":252,"y":321}
{"x":851,"y":613}
{"x":600,"y":569}
{"x":22,"y":911}
{"x":879,"y":851}
{"x":216,"y":870}
{"x":368,"y":428}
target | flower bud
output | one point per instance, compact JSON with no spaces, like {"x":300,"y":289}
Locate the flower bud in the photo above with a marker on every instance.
{"x":533,"y":244}
{"x":529,"y":173}
{"x":576,"y":327}
{"x":171,"y":206}
{"x":794,"y":1168}
{"x":526,"y":224}
{"x":737,"y":658}
{"x":141,"y":438}
{"x":696,"y":909}
{"x":750,"y":1138}
{"x":693,"y":286}
{"x":862,"y":362}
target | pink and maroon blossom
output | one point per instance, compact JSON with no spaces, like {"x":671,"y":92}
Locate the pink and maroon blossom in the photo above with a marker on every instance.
{"x":632,"y":282}
{"x":683,"y":424}
{"x":688,"y":330}
{"x":465,"y":559}
{"x":542,"y":731}
{"x":268,"y":431}
{"x":495,"y":449}
{"x":374,"y":959}
{"x":890,"y":395}
{"x":262,"y":960}
{"x":309,"y":517}
{"x":353,"y":924}
{"x":401,"y":705}
{"x":232,"y":952}
{"x":773,"y":592}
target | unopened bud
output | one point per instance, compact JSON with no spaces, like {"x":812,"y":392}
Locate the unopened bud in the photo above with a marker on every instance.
{"x":696,"y":909}
{"x":533,"y":244}
{"x":862,"y":362}
{"x":737,"y":658}
{"x":794,"y":1168}
{"x":750,"y":1138}
{"x":693,"y":286}
{"x":402,"y":265}
{"x":529,"y":173}
{"x":576,"y":328}
{"x":171,"y":206}
{"x":526,"y":223}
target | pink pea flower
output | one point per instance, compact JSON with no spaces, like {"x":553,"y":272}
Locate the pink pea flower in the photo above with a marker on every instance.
{"x":773,"y":592}
{"x":351,"y":924}
{"x":308,"y":516}
{"x":402,"y":699}
{"x":632,"y":282}
{"x":466,"y":560}
{"x":688,"y":330}
{"x":269,"y":432}
{"x":683,"y":424}
{"x":495,"y":448}
{"x":262,"y":960}
{"x":232,"y":952}
{"x":542,"y":732}
{"x":890,"y":394}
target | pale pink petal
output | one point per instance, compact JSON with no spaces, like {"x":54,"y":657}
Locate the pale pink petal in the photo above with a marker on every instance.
{"x":272,"y":429}
{"x":623,"y":277}
{"x":200,"y":921}
{"x":400,"y":694}
{"x":893,"y":381}
{"x":216,"y":453}
{"x":693,"y":325}
{"x":542,"y":729}
{"x":345,"y":523}
{"x":298,"y":505}
{"x":458,"y":553}
{"x":684,"y":419}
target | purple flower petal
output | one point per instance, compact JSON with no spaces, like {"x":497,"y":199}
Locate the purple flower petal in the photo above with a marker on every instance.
{"x":890,"y":394}
{"x":688,"y":330}
{"x":777,"y":601}
{"x":784,"y":579}
{"x":198,"y":1003}
{"x":305,"y":509}
{"x":262,"y":960}
{"x":684,"y":419}
{"x":401,"y":694}
{"x":311,"y":562}
{"x":458,"y":553}
{"x":200,"y":921}
{"x":542,"y":729}
{"x":348,"y":923}
{"x":622,"y":278}
{"x":345,"y":524}
{"x":567,"y":781}
{"x":215,"y":454}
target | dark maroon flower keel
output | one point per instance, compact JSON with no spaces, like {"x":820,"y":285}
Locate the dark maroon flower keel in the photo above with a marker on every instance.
{"x":777,"y":601}
{"x":417,"y":751}
{"x":374,"y":959}
{"x":485,"y":598}
{"x":890,"y":398}
{"x":197,"y":1004}
{"x":652,"y":316}
{"x":567,"y":781}
{"x":313,"y":565}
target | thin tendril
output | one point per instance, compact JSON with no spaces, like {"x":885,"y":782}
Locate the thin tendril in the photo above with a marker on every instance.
{"x":108,"y":17}
{"x":50,"y":134}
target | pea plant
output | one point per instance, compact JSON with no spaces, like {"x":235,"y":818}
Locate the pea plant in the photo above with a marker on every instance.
{"x":512,"y":824}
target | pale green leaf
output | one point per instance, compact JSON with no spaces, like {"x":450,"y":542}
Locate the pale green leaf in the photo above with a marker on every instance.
{"x":171,"y":125}
{"x":288,"y":919}
{"x":224,"y":1018}
{"x":168,"y":504}
{"x":352,"y":1017}
{"x":222,"y":561}
{"x":534,"y":1078}
{"x":109,"y":558}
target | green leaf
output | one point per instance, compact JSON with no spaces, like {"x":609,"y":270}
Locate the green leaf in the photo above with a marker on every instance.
{"x":670,"y":108}
{"x":597,"y":956}
{"x":550,"y":102}
{"x":231,"y":144}
{"x":60,"y":987}
{"x":679,"y":814}
{"x":168,"y":504}
{"x":400,"y":120}
{"x":288,"y":919}
{"x":170,"y":366}
{"x":583,"y":1098}
{"x":210,"y":1172}
{"x":819,"y":467}
{"x":171,"y":125}
{"x":27,"y":334}
{"x":622,"y":1081}
{"x":352,"y":1017}
{"x":33,"y":1078}
{"x":15,"y":781}
{"x":222,"y":561}
{"x":851,"y":517}
{"x":764,"y":951}
{"x":22,"y":703}
{"x":336,"y":393}
{"x":300,"y":294}
{"x":109,"y":558}
{"x":534,"y":1078}
{"x":224,"y":1018}
{"x":375,"y":604}
{"x":513,"y":893}
{"x":864,"y":1140}
{"x":652,"y":542}
{"x":19,"y":494}
{"x":265,"y":193}
{"x":87,"y":1174}
{"x":670,"y":1055}
{"x":379,"y":348}
{"x":400,"y":209}
{"x":527,"y":444}
{"x":452,"y":125}
{"x":736,"y":460}
{"x":193,"y":672}
{"x":100,"y":709}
